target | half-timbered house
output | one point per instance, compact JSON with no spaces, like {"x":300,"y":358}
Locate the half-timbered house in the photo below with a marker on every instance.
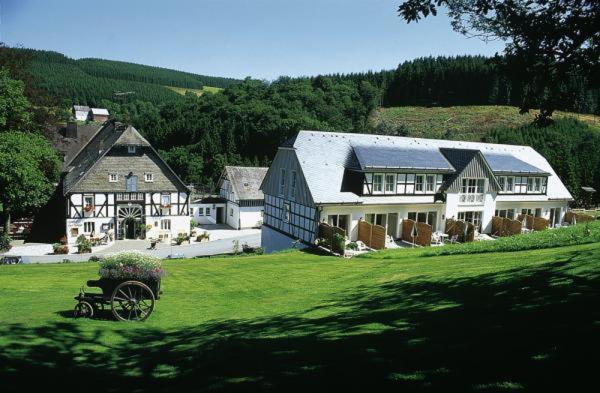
{"x":341,"y":178}
{"x":117,"y":184}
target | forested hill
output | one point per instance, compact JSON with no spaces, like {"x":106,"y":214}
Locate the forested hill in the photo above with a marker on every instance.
{"x":247,"y":120}
{"x":89,"y":81}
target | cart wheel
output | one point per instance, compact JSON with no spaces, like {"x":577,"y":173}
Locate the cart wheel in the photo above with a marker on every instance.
{"x":132,"y":301}
{"x":83,"y":310}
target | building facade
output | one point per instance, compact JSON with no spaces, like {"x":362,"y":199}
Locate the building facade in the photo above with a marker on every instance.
{"x":240,"y":188}
{"x":117,"y":184}
{"x":341,"y":178}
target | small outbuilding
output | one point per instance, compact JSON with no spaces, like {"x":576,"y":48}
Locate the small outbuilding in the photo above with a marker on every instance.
{"x":99,"y":114}
{"x":81,"y":112}
{"x":239,"y":186}
{"x":208,"y":209}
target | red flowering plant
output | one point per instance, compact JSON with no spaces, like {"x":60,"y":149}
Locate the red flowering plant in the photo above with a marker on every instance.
{"x":131,"y":265}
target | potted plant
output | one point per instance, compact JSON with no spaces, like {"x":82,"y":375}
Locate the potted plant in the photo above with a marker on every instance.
{"x":131,"y":265}
{"x":60,"y":248}
{"x":88,"y":208}
{"x":84,"y":245}
{"x":339,"y":243}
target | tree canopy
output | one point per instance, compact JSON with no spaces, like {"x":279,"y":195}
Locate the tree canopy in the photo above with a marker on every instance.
{"x":548,"y":42}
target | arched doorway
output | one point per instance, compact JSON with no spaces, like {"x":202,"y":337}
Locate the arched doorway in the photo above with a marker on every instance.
{"x":130,"y":220}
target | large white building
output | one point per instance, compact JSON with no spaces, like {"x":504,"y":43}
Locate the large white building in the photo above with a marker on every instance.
{"x":341,"y":178}
{"x":117,"y":183}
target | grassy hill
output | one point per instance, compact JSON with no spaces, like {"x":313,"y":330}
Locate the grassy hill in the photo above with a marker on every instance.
{"x":89,"y":81}
{"x":505,"y":322}
{"x":198,"y":92}
{"x":459,"y":122}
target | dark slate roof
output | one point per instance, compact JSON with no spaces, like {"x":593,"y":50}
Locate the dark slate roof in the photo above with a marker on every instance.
{"x":503,"y":163}
{"x":207,"y":199}
{"x":382,"y":157}
{"x":246,"y":181}
{"x":289,"y":142}
{"x":459,"y":158}
{"x":111,"y":134}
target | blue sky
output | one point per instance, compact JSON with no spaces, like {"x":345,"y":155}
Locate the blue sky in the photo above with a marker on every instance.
{"x":259,"y":38}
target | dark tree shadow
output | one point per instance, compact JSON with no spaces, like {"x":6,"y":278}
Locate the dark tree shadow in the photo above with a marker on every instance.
{"x":529,"y":329}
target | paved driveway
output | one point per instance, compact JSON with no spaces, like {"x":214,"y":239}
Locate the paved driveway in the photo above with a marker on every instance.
{"x":214,"y":247}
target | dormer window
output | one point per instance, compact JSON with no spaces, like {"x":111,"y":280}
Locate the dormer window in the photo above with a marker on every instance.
{"x":149,"y":177}
{"x":113,"y":177}
{"x":131,"y":149}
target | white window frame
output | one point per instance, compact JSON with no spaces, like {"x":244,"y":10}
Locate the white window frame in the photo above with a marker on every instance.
{"x":131,"y":149}
{"x":89,"y":225}
{"x":113,"y":177}
{"x":392,"y":183}
{"x":530,"y":184}
{"x":378,"y":183}
{"x":207,"y":211}
{"x":428,"y":183}
{"x":510,"y":184}
{"x":419,"y":185}
{"x":282,"y":182}
{"x":165,"y":224}
{"x":149,"y":177}
{"x":165,"y":200}
{"x":286,"y":212}
{"x":200,"y":211}
{"x":85,"y":199}
{"x":537,"y":185}
{"x":293,"y":179}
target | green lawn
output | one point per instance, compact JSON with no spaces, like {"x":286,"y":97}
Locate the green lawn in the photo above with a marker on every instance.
{"x":521,"y":321}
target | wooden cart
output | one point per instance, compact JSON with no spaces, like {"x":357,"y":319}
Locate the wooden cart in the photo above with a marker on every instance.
{"x":129,"y":300}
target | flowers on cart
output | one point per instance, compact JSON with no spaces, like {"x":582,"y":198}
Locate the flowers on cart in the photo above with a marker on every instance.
{"x":131,"y":265}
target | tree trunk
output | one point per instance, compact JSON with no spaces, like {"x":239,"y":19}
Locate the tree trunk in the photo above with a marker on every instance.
{"x":7,"y":221}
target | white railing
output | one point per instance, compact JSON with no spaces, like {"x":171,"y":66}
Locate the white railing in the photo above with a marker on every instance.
{"x":471,"y":199}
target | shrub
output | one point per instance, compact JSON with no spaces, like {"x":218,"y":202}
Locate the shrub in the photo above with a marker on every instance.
{"x":193,"y":224}
{"x":5,"y":240}
{"x":352,"y":246}
{"x":60,"y":248}
{"x":131,"y":265}
{"x":63,"y":239}
{"x":340,"y":242}
{"x":182,"y":237}
{"x":84,"y":245}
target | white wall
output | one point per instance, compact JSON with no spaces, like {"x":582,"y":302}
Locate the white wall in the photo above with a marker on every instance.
{"x":358,"y":212}
{"x":78,"y":224}
{"x":232,"y":215}
{"x":545,"y":206}
{"x":251,"y":216}
{"x":179,"y":224}
{"x":205,"y":219}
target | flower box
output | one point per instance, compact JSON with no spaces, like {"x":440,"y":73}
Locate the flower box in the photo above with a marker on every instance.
{"x":88,"y":208}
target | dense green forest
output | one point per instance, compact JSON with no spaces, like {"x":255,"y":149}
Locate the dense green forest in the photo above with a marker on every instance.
{"x":89,"y":81}
{"x":247,"y":120}
{"x":474,"y":80}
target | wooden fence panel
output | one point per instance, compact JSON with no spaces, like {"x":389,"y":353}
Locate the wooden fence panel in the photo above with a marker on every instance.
{"x":511,"y":227}
{"x":497,"y":226}
{"x":540,"y":224}
{"x":373,"y":236}
{"x":364,"y":232}
{"x":378,"y":238}
{"x":327,"y":233}
{"x":580,"y":218}
{"x":457,"y":227}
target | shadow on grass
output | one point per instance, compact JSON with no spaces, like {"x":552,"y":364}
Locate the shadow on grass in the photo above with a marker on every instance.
{"x":534,"y":329}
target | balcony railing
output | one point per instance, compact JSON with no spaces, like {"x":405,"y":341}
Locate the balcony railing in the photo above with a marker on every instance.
{"x":471,"y":199}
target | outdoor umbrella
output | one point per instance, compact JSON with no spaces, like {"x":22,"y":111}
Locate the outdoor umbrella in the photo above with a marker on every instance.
{"x":414,"y":233}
